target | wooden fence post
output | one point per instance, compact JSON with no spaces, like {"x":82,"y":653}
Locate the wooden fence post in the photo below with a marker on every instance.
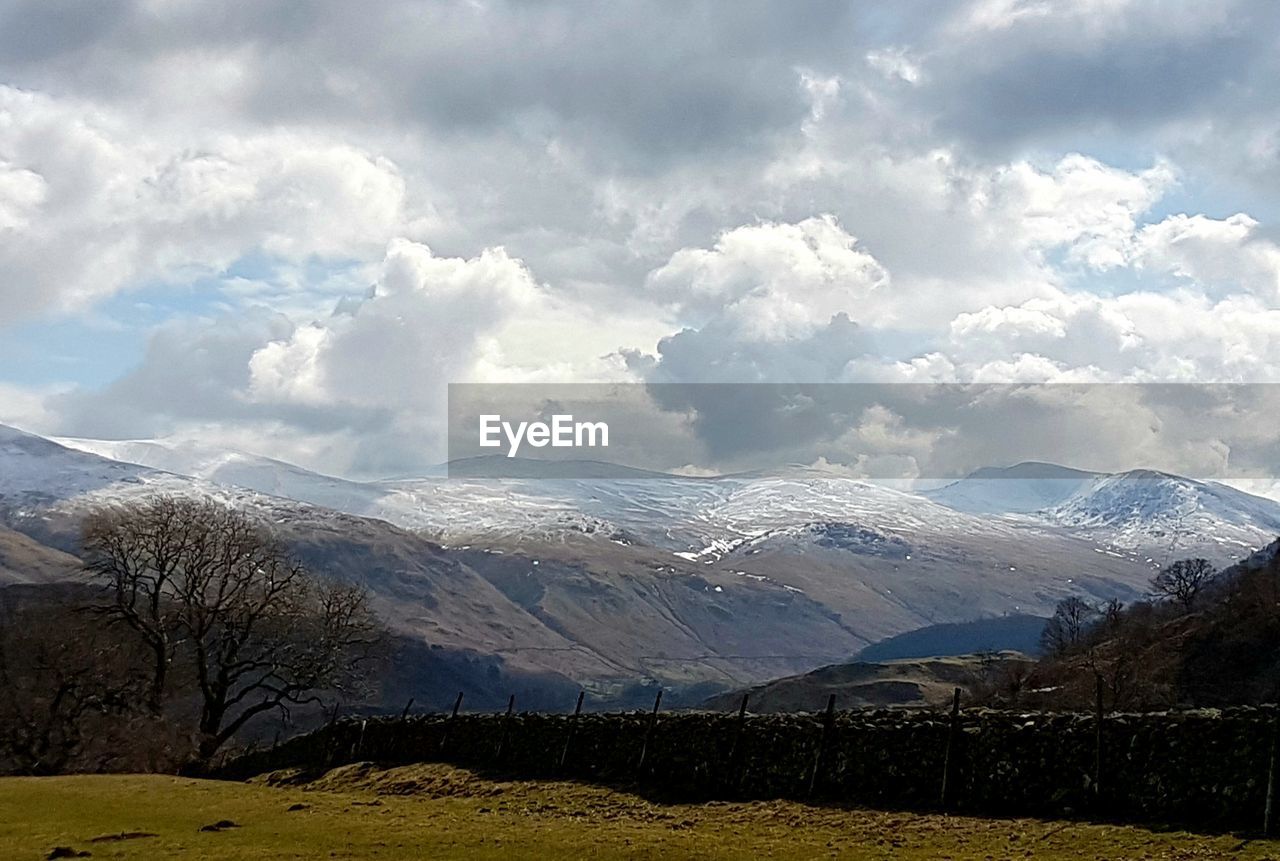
{"x":573,"y":721}
{"x":953,"y":736}
{"x":444,"y":736}
{"x":358,"y":747}
{"x":648,"y":733}
{"x":828,"y":723}
{"x":506,"y":728}
{"x":399,"y":744}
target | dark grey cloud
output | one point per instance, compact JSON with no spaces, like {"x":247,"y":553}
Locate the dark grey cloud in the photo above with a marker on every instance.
{"x":715,"y":354}
{"x":42,"y":31}
{"x":1156,"y":68}
{"x":633,"y":83}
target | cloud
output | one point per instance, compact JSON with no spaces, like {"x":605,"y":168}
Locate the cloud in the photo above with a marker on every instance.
{"x":425,"y":323}
{"x":1224,"y":256}
{"x":1022,"y":70}
{"x":965,"y":190}
{"x":646,"y":82}
{"x":90,"y":206}
{"x":771,"y":282}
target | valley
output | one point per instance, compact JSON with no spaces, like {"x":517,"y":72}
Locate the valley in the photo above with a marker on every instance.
{"x":624,"y":584}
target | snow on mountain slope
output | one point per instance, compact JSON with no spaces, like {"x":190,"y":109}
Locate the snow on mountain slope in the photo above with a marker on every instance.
{"x":42,"y":480}
{"x":614,"y":613}
{"x":1144,"y":509}
{"x":682,"y":578}
{"x":237,"y":469}
{"x":1023,"y":488}
{"x":701,"y":519}
{"x":37,"y":471}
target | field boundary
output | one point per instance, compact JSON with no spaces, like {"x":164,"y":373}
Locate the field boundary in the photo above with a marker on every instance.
{"x":1205,"y":769}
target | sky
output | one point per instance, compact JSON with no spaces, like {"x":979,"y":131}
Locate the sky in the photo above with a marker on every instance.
{"x":287,"y":227}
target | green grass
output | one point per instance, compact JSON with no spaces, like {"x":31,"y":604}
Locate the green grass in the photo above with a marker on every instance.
{"x":434,"y":811}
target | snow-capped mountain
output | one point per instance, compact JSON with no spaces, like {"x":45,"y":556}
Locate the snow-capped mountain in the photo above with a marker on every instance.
{"x":1141,"y":513}
{"x":1020,"y":489}
{"x":689,"y":580}
{"x":232,"y":468}
{"x":35,"y":471}
{"x":1143,"y":508}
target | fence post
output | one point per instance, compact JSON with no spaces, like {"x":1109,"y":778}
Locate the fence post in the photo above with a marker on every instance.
{"x":1268,"y":813}
{"x":1097,"y":740}
{"x":648,"y":733}
{"x":444,"y":736}
{"x":398,"y":743}
{"x":953,"y":735}
{"x":506,"y":727}
{"x":573,"y":721}
{"x":358,"y":747}
{"x":828,"y":722}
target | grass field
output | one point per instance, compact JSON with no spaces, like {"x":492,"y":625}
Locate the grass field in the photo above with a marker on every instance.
{"x":434,"y":811}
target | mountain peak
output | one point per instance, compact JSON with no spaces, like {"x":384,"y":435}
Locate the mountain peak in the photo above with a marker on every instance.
{"x":1031,"y":469}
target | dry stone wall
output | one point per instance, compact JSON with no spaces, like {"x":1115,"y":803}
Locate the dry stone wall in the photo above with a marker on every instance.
{"x":1206,"y":769}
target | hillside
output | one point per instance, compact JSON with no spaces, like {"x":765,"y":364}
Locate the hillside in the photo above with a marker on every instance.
{"x":889,"y":684}
{"x":1017,"y":633}
{"x":622,"y":584}
{"x":1216,"y":644}
{"x":25,"y":560}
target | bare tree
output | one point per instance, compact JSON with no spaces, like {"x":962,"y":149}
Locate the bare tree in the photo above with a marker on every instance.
{"x":61,"y":674}
{"x":209,"y":589}
{"x":1066,"y":629}
{"x":1183,"y":581}
{"x":1113,"y":615}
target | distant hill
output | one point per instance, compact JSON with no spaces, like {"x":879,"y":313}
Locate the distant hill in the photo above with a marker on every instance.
{"x":498,"y":466}
{"x":1018,"y":633}
{"x":891,"y":684}
{"x":1022,"y":488}
{"x":25,"y":560}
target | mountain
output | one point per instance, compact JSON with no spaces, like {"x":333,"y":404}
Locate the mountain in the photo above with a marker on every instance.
{"x":607,"y":617}
{"x":1156,"y":514}
{"x":1022,"y":488}
{"x":1145,"y":509}
{"x":37,"y":471}
{"x":889,"y":684}
{"x":1140,"y":514}
{"x":1015,"y":633}
{"x":653,"y":579}
{"x":500,"y":466}
{"x":233,"y":468}
{"x":24,"y":560}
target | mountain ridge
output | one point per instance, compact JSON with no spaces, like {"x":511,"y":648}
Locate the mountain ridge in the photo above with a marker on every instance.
{"x":611,"y":582}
